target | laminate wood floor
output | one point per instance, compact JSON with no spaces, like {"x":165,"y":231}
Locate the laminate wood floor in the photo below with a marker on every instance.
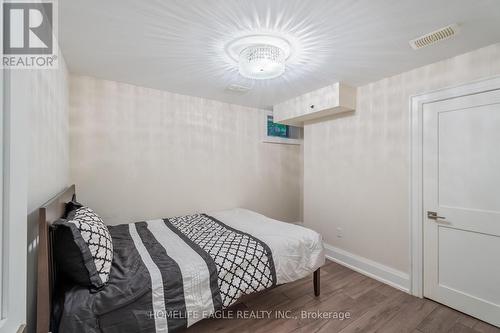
{"x":372,"y":305}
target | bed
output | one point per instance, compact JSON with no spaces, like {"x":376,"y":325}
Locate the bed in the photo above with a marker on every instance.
{"x":167,"y":274}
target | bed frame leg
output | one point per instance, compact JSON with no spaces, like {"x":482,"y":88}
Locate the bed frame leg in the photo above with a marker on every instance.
{"x":316,"y":281}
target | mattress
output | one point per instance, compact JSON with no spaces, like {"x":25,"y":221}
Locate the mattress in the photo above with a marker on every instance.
{"x":169,"y":273}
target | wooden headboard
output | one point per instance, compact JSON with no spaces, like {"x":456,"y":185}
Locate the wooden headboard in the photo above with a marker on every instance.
{"x":48,"y":214}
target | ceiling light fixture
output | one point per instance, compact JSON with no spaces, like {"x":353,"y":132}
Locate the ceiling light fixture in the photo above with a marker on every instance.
{"x":262,"y":62}
{"x":259,"y":57}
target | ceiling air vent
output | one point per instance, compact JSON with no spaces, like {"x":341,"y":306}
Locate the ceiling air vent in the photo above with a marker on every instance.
{"x":238,"y":88}
{"x":434,"y":37}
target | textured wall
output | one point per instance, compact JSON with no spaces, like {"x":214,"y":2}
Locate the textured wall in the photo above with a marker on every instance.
{"x":139,"y":153}
{"x":47,"y":94}
{"x":49,"y":134}
{"x":356,"y":167}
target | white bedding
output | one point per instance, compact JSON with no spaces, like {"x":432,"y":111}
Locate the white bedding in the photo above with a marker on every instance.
{"x":297,"y":251}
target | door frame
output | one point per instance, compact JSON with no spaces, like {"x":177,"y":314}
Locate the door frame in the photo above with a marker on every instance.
{"x":417,"y":103}
{"x":15,"y":197}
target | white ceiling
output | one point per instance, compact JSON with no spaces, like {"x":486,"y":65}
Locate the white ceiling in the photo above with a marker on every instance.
{"x":179,"y":45}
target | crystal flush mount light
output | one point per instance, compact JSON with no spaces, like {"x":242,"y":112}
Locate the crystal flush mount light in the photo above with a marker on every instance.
{"x":262,"y":62}
{"x":259,"y":56}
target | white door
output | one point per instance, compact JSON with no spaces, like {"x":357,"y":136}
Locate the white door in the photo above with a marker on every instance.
{"x":461,"y":169}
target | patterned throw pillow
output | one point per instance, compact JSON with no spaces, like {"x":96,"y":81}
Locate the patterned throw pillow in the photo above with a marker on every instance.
{"x":94,"y":243}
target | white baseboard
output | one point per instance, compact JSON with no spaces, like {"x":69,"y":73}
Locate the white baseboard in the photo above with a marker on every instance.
{"x":373,"y":269}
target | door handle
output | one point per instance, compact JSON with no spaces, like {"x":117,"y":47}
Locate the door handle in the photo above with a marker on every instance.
{"x":435,"y":216}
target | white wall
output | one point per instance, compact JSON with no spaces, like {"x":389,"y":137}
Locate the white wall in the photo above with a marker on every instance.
{"x":49,"y":134}
{"x":139,"y":153}
{"x":46,"y":92}
{"x":356,"y":167}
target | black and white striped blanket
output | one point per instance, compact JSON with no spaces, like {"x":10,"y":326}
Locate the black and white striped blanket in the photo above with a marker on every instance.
{"x":198,"y":265}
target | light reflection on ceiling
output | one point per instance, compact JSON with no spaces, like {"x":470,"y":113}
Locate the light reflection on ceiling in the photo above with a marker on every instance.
{"x":179,"y":46}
